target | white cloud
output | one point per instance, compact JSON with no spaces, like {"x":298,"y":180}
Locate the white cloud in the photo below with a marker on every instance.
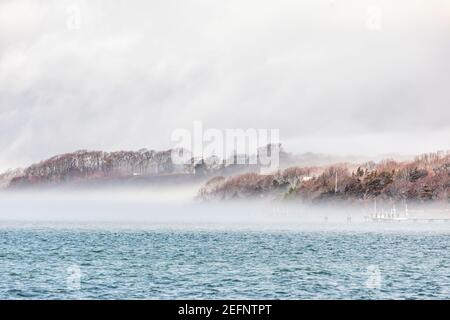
{"x":132,"y":73}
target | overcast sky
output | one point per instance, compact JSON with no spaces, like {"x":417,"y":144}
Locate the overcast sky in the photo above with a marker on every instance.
{"x":336,"y":76}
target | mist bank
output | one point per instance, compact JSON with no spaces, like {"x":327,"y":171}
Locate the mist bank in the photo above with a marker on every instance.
{"x":151,"y":210}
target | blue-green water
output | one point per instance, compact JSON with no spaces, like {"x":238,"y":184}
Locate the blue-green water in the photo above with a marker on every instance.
{"x":74,"y":262}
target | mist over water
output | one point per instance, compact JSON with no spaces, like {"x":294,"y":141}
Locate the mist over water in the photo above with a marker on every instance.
{"x":158,"y":245}
{"x":339,"y":81}
{"x":178,"y":209}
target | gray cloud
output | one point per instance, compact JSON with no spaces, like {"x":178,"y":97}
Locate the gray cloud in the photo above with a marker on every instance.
{"x":133,"y":72}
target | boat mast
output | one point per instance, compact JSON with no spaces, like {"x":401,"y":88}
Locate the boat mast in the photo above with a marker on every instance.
{"x":335,"y":183}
